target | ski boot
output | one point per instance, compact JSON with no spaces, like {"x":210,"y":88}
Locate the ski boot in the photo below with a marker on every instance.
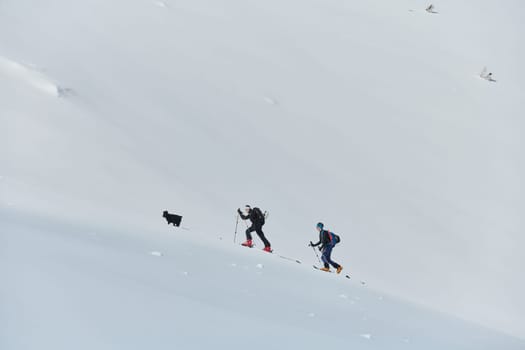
{"x":268,"y":249}
{"x":339,"y":269}
{"x":325,"y":269}
{"x":248,"y":243}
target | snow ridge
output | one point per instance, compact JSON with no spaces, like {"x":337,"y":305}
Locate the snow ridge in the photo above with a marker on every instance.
{"x":32,"y":77}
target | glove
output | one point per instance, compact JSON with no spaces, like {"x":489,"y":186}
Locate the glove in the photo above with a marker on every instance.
{"x":239,"y":211}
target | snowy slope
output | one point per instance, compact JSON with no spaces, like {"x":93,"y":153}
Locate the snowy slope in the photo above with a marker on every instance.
{"x":91,"y":289}
{"x":369,"y":116}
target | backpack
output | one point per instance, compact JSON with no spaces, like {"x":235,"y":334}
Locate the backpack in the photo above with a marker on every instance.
{"x":259,"y":215}
{"x":333,"y":237}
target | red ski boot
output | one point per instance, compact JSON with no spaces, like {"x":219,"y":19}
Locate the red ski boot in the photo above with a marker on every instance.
{"x":248,"y":243}
{"x":268,"y":249}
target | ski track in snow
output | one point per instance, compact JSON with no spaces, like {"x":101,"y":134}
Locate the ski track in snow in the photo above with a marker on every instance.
{"x":32,"y":77}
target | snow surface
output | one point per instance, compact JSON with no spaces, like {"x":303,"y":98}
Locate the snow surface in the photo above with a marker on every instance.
{"x":370,"y":116}
{"x":85,"y":288}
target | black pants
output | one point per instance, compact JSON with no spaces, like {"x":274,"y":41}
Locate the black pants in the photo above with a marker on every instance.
{"x":260,"y":233}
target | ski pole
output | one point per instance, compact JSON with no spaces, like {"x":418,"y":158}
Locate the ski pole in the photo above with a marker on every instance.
{"x":236,"y":224}
{"x":316,"y":255}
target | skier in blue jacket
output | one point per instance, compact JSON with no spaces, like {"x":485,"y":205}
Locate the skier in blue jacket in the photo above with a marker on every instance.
{"x":327,"y":240}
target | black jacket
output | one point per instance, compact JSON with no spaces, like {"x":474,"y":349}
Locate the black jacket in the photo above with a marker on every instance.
{"x":254,"y":218}
{"x":324,"y":238}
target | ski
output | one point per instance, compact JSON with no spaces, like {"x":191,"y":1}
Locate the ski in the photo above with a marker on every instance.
{"x":318,"y":268}
{"x":279,"y":255}
{"x":253,"y":246}
{"x":288,"y":258}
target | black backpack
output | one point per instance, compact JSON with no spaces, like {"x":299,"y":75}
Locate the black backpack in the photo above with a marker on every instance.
{"x":335,"y":237}
{"x":259,"y":215}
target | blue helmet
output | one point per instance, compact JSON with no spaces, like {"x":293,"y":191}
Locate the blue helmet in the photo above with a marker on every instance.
{"x":320,"y":225}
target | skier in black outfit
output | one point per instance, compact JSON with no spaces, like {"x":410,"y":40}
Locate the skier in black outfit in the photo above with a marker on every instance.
{"x":257,"y":218}
{"x":327,"y":240}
